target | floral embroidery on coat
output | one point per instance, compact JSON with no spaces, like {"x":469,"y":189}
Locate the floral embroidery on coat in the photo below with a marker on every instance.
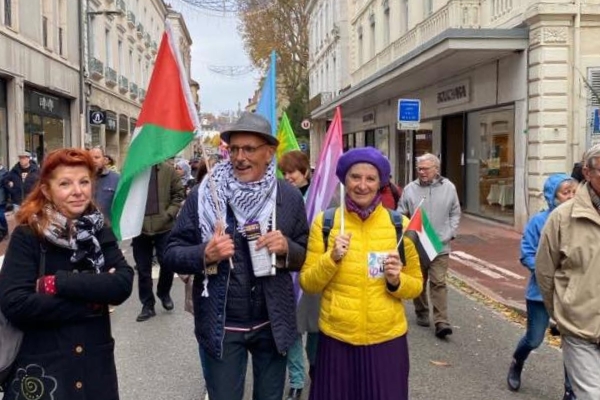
{"x":32,"y":383}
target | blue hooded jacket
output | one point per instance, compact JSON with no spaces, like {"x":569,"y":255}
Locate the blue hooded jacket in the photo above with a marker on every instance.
{"x":533,"y":231}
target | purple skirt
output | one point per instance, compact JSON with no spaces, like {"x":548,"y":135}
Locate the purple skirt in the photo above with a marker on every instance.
{"x":347,"y":372}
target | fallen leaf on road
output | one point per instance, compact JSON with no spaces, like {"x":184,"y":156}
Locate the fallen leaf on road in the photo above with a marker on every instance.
{"x":440,"y":363}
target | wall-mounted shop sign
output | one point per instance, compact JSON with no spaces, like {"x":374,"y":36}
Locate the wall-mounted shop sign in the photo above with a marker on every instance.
{"x":368,"y":118}
{"x":456,"y":93}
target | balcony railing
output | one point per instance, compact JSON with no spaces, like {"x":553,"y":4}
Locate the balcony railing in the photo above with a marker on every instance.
{"x":131,"y":19}
{"x":142,"y":95}
{"x":121,"y":5}
{"x":96,"y":68}
{"x":456,"y":14}
{"x":139,"y":30}
{"x":133,"y":90}
{"x":110,"y":77}
{"x":502,"y":13}
{"x":123,"y":84}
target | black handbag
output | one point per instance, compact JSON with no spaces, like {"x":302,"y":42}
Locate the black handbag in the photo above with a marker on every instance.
{"x":10,"y":336}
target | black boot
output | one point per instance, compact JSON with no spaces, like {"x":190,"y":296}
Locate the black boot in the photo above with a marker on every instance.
{"x":569,"y":395}
{"x":147,"y":313}
{"x":514,"y":375}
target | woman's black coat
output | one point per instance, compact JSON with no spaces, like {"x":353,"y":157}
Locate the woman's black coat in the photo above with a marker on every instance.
{"x":68,"y":349}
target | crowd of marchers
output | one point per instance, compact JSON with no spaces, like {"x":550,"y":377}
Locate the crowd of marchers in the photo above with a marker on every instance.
{"x":267,"y":283}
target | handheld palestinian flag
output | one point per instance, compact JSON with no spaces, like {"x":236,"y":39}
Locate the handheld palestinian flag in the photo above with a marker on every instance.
{"x":166,"y":125}
{"x":428,"y":244}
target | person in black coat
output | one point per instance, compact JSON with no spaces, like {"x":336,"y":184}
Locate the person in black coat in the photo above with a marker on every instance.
{"x":242,"y":302}
{"x":21,"y":179}
{"x":67,"y":350}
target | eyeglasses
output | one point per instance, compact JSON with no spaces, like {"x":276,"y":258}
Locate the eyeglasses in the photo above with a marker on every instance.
{"x":248,"y":150}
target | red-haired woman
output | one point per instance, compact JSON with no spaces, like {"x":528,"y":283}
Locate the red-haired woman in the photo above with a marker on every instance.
{"x":67,"y":350}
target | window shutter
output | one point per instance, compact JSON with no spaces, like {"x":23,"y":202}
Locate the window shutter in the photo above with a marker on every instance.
{"x":594,"y":82}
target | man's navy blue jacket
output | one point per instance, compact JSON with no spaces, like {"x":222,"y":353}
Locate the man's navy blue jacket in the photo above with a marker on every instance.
{"x":236,"y":296}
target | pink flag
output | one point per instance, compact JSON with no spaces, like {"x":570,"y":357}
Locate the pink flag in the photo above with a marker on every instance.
{"x":324,"y":181}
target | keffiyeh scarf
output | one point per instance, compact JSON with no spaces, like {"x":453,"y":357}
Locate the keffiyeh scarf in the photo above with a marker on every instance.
{"x":77,"y":235}
{"x":252,"y":201}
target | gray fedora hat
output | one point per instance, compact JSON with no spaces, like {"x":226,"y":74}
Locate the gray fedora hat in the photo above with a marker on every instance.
{"x":251,"y":123}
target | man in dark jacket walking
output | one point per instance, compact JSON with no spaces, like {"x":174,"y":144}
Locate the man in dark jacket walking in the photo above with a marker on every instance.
{"x":165,"y":195}
{"x":21,"y":179}
{"x":241,"y":233}
{"x":106,"y":182}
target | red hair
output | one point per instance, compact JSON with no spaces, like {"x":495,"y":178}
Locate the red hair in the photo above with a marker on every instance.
{"x":32,"y":211}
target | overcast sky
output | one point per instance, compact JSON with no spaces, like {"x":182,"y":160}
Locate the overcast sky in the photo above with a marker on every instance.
{"x":216,"y":42}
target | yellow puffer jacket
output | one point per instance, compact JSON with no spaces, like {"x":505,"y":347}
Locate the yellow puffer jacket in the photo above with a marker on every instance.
{"x":356,"y":308}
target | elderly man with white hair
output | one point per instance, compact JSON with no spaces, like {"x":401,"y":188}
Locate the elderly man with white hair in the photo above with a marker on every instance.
{"x":568,"y":274}
{"x":438,"y":198}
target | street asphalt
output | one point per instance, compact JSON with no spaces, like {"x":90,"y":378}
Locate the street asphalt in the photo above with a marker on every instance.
{"x":158,"y":359}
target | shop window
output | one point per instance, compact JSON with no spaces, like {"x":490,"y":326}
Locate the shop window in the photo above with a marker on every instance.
{"x":490,"y":163}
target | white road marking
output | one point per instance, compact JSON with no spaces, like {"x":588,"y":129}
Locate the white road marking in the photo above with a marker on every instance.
{"x":484,"y":267}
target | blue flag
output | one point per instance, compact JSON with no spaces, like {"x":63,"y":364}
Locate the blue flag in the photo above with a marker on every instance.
{"x":267,"y":104}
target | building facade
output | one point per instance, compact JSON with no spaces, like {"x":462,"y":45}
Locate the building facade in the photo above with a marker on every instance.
{"x":503,"y":86}
{"x":122,"y":42}
{"x":329,"y":60}
{"x":40,"y":79}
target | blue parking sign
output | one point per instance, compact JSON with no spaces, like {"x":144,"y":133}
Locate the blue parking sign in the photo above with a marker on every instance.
{"x":409,"y":110}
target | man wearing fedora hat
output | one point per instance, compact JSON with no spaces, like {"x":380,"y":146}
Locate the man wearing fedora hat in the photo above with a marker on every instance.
{"x":21,"y":179}
{"x":239,"y":309}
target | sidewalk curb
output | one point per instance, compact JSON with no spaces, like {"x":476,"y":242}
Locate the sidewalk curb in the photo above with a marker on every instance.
{"x":484,"y":291}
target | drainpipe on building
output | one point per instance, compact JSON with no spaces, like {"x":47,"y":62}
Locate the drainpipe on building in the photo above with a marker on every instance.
{"x":82,"y":113}
{"x":576,"y":99}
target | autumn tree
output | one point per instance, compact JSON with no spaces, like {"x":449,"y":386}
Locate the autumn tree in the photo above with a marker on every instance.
{"x":280,"y":25}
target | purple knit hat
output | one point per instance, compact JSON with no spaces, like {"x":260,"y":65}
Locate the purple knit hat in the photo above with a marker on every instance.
{"x":369,"y":155}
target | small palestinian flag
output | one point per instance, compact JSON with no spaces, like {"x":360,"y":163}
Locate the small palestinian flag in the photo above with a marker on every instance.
{"x":428,"y":244}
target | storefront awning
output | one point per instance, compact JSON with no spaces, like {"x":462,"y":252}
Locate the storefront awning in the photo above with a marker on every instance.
{"x":448,"y":54}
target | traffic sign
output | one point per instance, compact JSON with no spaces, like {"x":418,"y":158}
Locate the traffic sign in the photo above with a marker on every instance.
{"x":97,"y":117}
{"x":409,"y":110}
{"x":305,"y":124}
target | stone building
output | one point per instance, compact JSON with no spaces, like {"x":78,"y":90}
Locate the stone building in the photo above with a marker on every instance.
{"x":40,"y":81}
{"x":503,"y":87}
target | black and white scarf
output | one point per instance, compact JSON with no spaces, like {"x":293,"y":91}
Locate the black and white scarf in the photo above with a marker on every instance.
{"x":252,"y":201}
{"x":77,"y":235}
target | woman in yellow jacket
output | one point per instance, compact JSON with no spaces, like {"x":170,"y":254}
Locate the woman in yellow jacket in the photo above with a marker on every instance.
{"x":363,"y":350}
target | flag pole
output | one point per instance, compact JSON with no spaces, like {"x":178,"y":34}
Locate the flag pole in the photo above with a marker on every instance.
{"x":411,"y":218}
{"x":273,"y":228}
{"x":342,"y":208}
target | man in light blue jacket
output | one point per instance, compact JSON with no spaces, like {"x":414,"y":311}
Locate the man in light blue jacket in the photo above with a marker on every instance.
{"x":440,"y":202}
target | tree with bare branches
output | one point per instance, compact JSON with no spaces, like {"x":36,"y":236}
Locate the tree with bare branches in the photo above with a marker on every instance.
{"x":280,"y":25}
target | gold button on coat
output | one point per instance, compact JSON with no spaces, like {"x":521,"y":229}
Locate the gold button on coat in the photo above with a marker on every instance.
{"x":79,"y":349}
{"x":78,"y":385}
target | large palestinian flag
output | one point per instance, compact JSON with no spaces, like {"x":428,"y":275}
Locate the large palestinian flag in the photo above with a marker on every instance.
{"x":165,"y":126}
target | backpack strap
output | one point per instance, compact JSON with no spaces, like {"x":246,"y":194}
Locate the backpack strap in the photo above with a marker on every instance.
{"x":328,"y":220}
{"x":396,"y":218}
